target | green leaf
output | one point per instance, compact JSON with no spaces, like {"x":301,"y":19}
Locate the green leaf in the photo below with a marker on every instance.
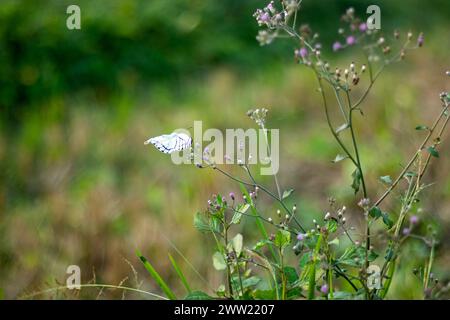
{"x":264,"y":294}
{"x":342,"y":128}
{"x":236,"y":219}
{"x":260,"y":244}
{"x":375,"y":212}
{"x":155,"y":275}
{"x":291,"y":274}
{"x":250,"y":282}
{"x":282,"y":238}
{"x":219,"y":200}
{"x":201,"y":223}
{"x":422,"y":128}
{"x":389,"y":254}
{"x":331,"y":225}
{"x":219,"y":261}
{"x":236,"y":242}
{"x":372,"y":256}
{"x":304,"y":260}
{"x":356,"y":175}
{"x":198,"y":295}
{"x":179,"y":273}
{"x":335,"y":242}
{"x":432,"y":150}
{"x":247,"y":283}
{"x":387,"y":221}
{"x":287,"y":193}
{"x":386,"y":179}
{"x":355,"y":256}
{"x":240,"y":210}
{"x":339,"y":157}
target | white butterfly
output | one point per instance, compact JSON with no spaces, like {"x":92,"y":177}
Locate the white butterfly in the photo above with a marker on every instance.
{"x":169,"y":143}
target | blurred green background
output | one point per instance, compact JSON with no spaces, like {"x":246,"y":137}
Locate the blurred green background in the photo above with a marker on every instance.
{"x":77,"y":185}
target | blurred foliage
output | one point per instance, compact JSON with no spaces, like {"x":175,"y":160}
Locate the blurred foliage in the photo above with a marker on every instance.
{"x":124,"y":42}
{"x":76,"y":184}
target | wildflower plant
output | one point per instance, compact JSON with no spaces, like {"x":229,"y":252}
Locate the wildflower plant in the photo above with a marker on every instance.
{"x":333,"y":260}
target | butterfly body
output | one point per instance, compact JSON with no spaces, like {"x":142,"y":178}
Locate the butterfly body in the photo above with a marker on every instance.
{"x":168,"y":143}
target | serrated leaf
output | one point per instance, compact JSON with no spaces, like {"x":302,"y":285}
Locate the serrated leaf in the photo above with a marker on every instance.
{"x":219,"y":261}
{"x":386,"y":179}
{"x":339,"y":157}
{"x":287,"y":193}
{"x":432,"y":150}
{"x":342,"y":128}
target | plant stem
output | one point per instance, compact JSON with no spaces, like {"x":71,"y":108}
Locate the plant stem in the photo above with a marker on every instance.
{"x":416,"y":154}
{"x":333,"y":132}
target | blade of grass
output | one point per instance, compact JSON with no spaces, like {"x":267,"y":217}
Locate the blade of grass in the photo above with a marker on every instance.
{"x":155,"y":275}
{"x":180,"y":274}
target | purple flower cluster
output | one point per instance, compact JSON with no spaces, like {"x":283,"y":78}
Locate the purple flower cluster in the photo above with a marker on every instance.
{"x":269,"y":16}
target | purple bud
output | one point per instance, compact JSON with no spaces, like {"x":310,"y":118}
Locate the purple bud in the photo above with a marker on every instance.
{"x":351,"y":40}
{"x":414,"y":219}
{"x":420,"y":40}
{"x":324,"y":289}
{"x":232,"y":196}
{"x":300,"y":237}
{"x":302,"y":52}
{"x":337,"y":46}
{"x":406,"y":231}
{"x":265,"y":17}
{"x":363,"y":27}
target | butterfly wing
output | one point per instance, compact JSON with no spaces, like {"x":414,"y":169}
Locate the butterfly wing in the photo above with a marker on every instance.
{"x":168,"y":143}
